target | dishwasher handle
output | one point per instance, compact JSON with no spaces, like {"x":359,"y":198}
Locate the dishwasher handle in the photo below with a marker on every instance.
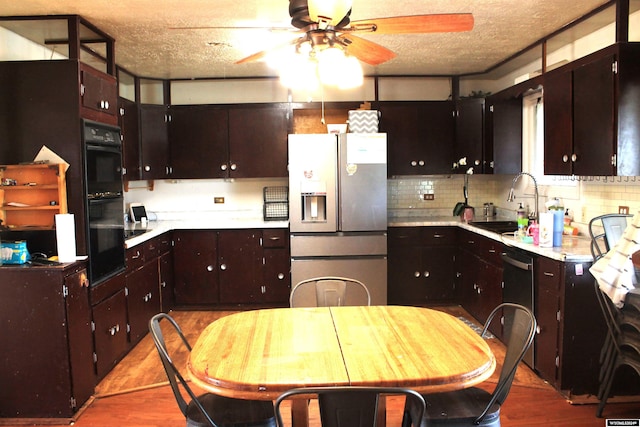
{"x":522,"y":265}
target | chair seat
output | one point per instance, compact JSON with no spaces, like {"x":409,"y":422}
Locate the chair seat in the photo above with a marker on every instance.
{"x":460,"y":408}
{"x":227,"y":412}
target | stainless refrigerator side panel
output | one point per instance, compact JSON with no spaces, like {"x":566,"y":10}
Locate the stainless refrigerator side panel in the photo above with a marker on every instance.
{"x":370,"y":271}
{"x":338,"y":244}
{"x":312,"y":160}
{"x":362,"y":182}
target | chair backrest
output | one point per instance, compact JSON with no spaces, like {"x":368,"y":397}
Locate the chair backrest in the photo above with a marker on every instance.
{"x":605,"y":231}
{"x":349,"y":406}
{"x":175,"y":378}
{"x":329,"y":292}
{"x":520,"y":336}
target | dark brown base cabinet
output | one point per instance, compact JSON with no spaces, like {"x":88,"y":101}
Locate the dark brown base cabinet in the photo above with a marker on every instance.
{"x":231,"y":267}
{"x":421,"y":265}
{"x":47,"y":358}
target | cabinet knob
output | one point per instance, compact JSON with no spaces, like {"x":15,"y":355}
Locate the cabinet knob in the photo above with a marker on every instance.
{"x":233,"y":166}
{"x":223,"y":167}
{"x":426,"y":274}
{"x":421,"y":162}
{"x":416,"y":274}
{"x":280,"y":276}
{"x":565,"y":158}
{"x":414,"y":163}
{"x":209,"y":267}
{"x":574,"y":157}
{"x":147,"y":168}
{"x":223,"y":267}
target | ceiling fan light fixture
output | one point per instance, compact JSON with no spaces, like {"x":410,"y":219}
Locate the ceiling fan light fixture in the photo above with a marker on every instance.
{"x":352,"y":74}
{"x":300,"y":73}
{"x":330,"y":12}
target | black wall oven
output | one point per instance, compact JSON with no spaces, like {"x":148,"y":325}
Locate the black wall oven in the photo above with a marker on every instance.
{"x":105,"y":203}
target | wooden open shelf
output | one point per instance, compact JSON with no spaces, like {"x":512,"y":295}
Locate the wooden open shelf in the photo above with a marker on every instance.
{"x":39,"y":194}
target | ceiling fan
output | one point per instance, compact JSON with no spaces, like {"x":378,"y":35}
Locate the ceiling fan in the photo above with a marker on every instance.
{"x":327,"y":24}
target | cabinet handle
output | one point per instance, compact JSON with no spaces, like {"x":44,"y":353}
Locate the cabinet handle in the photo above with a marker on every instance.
{"x":548,"y":274}
{"x":113,"y":330}
{"x":437,"y":236}
{"x":223,"y":267}
{"x":492,"y":251}
{"x":280,"y":276}
{"x":148,"y":297}
{"x":274,"y":239}
{"x":209,"y":267}
{"x":136,"y":256}
{"x":538,"y":330}
{"x":163,"y":284}
{"x":263,"y":289}
{"x":458,"y":274}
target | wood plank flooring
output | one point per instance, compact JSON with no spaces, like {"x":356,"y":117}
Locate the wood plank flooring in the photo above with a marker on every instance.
{"x":133,"y":394}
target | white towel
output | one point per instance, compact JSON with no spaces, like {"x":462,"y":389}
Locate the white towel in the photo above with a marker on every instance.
{"x":615,"y":272}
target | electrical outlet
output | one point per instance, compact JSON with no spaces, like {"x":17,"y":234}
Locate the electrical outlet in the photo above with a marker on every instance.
{"x":217,"y":200}
{"x":428,"y":197}
{"x":623,"y":210}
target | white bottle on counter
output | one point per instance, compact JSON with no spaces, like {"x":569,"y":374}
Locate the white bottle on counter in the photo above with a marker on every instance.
{"x":546,"y":230}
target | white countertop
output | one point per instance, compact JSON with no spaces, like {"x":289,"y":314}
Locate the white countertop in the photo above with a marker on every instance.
{"x":156,"y":228}
{"x":573,"y":249}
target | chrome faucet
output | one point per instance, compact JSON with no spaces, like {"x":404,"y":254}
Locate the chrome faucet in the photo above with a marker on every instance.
{"x":512,"y":196}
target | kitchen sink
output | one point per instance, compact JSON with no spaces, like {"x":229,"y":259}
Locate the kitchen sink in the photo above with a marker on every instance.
{"x":496,"y":226}
{"x":135,"y":232}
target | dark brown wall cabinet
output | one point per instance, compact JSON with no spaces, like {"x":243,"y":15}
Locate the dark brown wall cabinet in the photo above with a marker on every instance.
{"x":420,"y":136}
{"x":128,"y":120}
{"x":591,"y":114}
{"x":504,"y":119}
{"x":155,"y":154}
{"x":470,"y":128}
{"x":47,"y":367}
{"x":421,"y":265}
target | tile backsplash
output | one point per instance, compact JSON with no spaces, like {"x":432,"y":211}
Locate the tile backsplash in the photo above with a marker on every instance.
{"x":585,"y":197}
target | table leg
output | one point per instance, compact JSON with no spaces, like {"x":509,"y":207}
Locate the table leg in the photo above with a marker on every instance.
{"x":299,"y":412}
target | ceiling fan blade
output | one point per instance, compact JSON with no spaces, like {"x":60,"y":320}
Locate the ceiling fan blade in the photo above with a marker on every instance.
{"x":260,"y":55}
{"x":367,"y":51}
{"x":437,"y":23}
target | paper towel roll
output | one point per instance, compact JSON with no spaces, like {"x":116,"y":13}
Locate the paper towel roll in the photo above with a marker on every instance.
{"x":546,"y":230}
{"x":66,"y":237}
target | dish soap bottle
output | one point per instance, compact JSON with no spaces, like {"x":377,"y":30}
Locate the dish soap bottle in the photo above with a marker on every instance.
{"x":523,"y":221}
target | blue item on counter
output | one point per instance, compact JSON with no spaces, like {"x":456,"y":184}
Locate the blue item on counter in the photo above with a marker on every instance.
{"x":14,"y":252}
{"x":558,"y":227}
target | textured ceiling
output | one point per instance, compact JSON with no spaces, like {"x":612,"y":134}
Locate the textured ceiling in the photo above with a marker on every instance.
{"x":149,"y":45}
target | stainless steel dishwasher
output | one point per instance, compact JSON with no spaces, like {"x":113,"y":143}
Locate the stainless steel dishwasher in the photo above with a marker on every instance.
{"x":518,"y":287}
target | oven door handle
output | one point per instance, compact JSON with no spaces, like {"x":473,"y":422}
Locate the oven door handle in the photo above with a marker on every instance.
{"x":517,"y":263}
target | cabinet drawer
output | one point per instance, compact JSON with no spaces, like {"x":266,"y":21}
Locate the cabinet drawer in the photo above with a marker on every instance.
{"x":106,"y":288}
{"x":275,"y":238}
{"x":134,"y":257}
{"x":403,"y":236}
{"x":152,"y":248}
{"x":438,"y":236}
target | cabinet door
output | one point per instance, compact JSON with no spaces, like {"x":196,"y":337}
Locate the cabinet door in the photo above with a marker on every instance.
{"x":405,"y":281}
{"x":128,"y":121}
{"x":420,"y":136}
{"x":277,"y":275}
{"x":258,"y":141}
{"x":99,"y":94}
{"x":548,"y":278}
{"x":110,"y":335}
{"x":154,"y":142}
{"x":143,"y":300}
{"x":167,"y":300}
{"x":199,"y":141}
{"x":470,"y":133}
{"x":240,"y":266}
{"x":83,"y":378}
{"x":594,"y":118}
{"x":558,"y":124}
{"x":507,"y":135}
{"x":438,"y":271}
{"x":195,"y":266}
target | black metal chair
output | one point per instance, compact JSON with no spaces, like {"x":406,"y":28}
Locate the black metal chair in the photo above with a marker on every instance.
{"x":329,"y":291}
{"x":474,"y":406}
{"x":208,"y":409}
{"x":622,"y":342}
{"x":349,"y":406}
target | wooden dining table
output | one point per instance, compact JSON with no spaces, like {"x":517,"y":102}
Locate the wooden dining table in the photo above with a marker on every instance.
{"x":259,"y":354}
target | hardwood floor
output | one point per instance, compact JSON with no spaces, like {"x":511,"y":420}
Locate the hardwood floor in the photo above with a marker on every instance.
{"x":133,"y":394}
